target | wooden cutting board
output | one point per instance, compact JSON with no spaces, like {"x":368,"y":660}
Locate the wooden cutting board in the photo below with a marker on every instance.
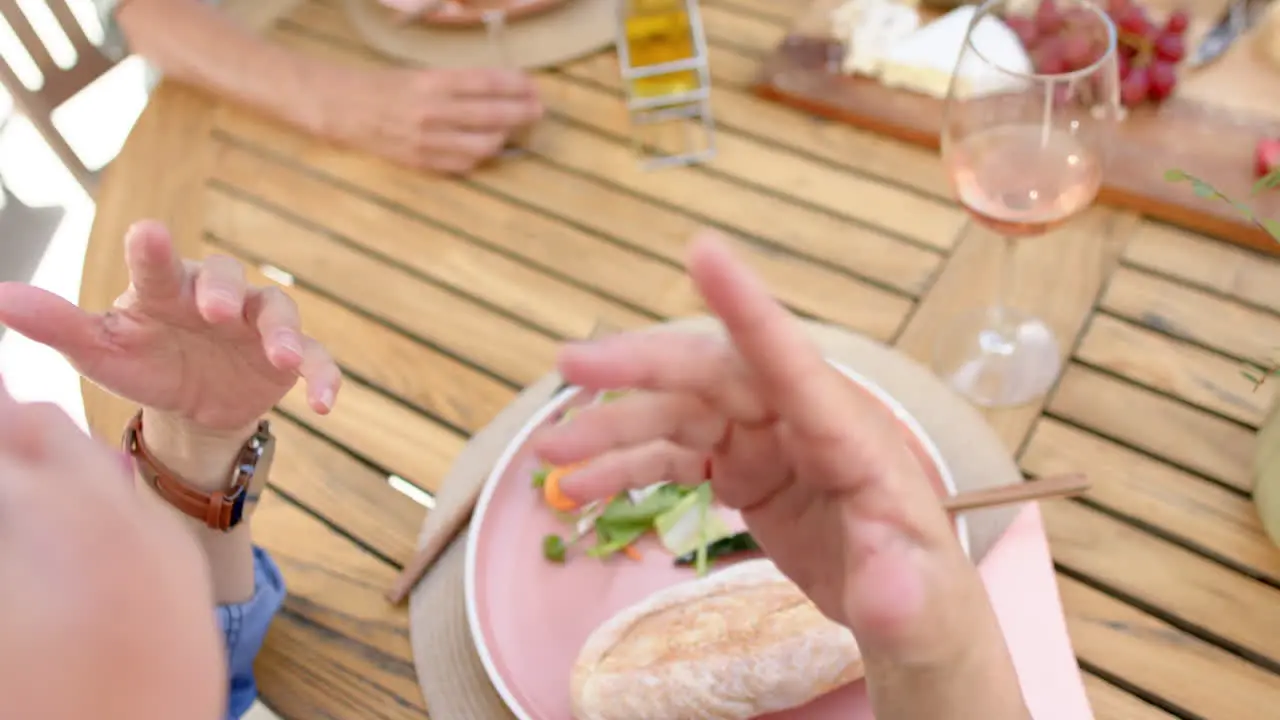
{"x":1210,"y":128}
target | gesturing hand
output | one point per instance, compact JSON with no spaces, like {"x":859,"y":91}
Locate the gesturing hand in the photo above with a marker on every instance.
{"x":823,"y":476}
{"x":192,"y":340}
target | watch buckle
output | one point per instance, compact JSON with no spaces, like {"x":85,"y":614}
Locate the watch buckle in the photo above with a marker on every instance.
{"x":225,"y":511}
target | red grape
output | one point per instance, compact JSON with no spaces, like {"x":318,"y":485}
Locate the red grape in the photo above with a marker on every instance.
{"x":1048,"y":19}
{"x":1136,"y":87}
{"x":1025,"y":28}
{"x":1267,"y":156}
{"x":1047,"y":58}
{"x":1061,"y":39}
{"x":1162,"y":79}
{"x":1123,"y":64}
{"x":1177,"y":22}
{"x":1134,"y":21}
{"x":1078,"y":18}
{"x":1076,"y":52}
{"x":1170,"y":47}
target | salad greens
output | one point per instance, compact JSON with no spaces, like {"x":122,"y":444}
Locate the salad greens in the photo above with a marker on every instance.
{"x":734,"y":545}
{"x":681,"y":517}
{"x":553,"y":548}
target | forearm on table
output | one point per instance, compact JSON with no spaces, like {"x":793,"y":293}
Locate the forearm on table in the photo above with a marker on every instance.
{"x":204,"y":462}
{"x":201,"y":45}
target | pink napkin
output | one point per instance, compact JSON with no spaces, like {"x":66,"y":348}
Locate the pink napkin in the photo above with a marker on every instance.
{"x":1018,"y":573}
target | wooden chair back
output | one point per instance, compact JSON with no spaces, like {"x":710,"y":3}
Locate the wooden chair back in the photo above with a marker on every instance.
{"x":58,"y":84}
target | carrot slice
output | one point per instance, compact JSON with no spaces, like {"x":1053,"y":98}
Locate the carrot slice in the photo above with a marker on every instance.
{"x":633,"y":552}
{"x":551,"y":489}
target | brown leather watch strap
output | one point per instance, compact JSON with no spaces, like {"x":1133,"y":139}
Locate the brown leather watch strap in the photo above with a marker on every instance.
{"x":220,"y":510}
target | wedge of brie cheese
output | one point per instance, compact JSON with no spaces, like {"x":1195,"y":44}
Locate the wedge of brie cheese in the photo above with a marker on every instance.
{"x":925,"y":60}
{"x":869,"y":29}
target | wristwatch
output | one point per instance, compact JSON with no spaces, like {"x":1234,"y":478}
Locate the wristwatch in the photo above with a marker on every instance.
{"x":219,"y":510}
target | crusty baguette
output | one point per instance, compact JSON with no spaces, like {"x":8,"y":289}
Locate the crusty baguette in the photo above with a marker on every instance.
{"x":733,"y":645}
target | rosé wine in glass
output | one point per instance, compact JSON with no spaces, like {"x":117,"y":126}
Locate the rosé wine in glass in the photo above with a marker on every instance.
{"x":1024,"y":156}
{"x":1022,"y":179}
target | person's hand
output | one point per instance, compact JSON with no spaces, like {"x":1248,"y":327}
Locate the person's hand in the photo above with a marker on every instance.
{"x":92,"y":574}
{"x":822,"y":474}
{"x":444,"y":120}
{"x":190,"y":341}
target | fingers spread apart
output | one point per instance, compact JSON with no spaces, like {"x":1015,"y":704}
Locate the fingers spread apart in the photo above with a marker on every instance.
{"x":155,"y":270}
{"x":635,"y":419}
{"x":752,"y":472}
{"x":221,"y":288}
{"x":323,"y":377}
{"x":279,"y":324}
{"x":699,"y":365}
{"x":633,"y":468}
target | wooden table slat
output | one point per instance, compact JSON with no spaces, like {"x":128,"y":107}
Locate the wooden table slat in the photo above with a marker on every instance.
{"x":559,"y":307}
{"x":1201,"y":593}
{"x":1182,"y":311}
{"x":350,"y":494}
{"x":1158,"y":424}
{"x":1190,"y":674}
{"x":779,"y":12}
{"x":737,"y":29}
{"x":1162,"y":363}
{"x":337,"y":650}
{"x":868,"y":308}
{"x":1192,"y":258}
{"x":738,"y":112}
{"x":508,"y":348}
{"x":1208,"y":517}
{"x":456,"y":394}
{"x":1109,"y":701}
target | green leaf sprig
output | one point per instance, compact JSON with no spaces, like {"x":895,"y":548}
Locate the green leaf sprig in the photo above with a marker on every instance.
{"x":1256,"y":374}
{"x":1204,"y":190}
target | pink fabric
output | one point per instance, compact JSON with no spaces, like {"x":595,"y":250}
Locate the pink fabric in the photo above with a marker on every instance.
{"x":1018,"y":573}
{"x":1019,"y":576}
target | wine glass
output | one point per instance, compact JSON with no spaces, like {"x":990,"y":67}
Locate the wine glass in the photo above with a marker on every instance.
{"x":1025,"y":139}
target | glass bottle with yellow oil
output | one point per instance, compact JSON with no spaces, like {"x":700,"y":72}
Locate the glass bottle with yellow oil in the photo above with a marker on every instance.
{"x":658,"y":32}
{"x":662,"y":53}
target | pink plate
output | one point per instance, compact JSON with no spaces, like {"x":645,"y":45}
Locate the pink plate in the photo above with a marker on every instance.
{"x":529,"y":616}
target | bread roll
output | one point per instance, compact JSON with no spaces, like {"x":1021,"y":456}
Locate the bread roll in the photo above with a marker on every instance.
{"x":733,"y":645}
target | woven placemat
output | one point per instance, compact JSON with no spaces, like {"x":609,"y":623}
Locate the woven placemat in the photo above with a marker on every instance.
{"x":575,"y":29}
{"x":453,"y":680}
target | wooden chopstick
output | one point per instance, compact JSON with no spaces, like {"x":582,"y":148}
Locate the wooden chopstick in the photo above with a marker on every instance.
{"x":1057,"y":486}
{"x":455,"y":521}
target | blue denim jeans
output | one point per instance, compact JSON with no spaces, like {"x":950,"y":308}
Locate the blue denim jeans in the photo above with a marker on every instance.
{"x":244,"y":626}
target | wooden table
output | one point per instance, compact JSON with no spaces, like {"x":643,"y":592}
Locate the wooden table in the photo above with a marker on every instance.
{"x":441,"y":298}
